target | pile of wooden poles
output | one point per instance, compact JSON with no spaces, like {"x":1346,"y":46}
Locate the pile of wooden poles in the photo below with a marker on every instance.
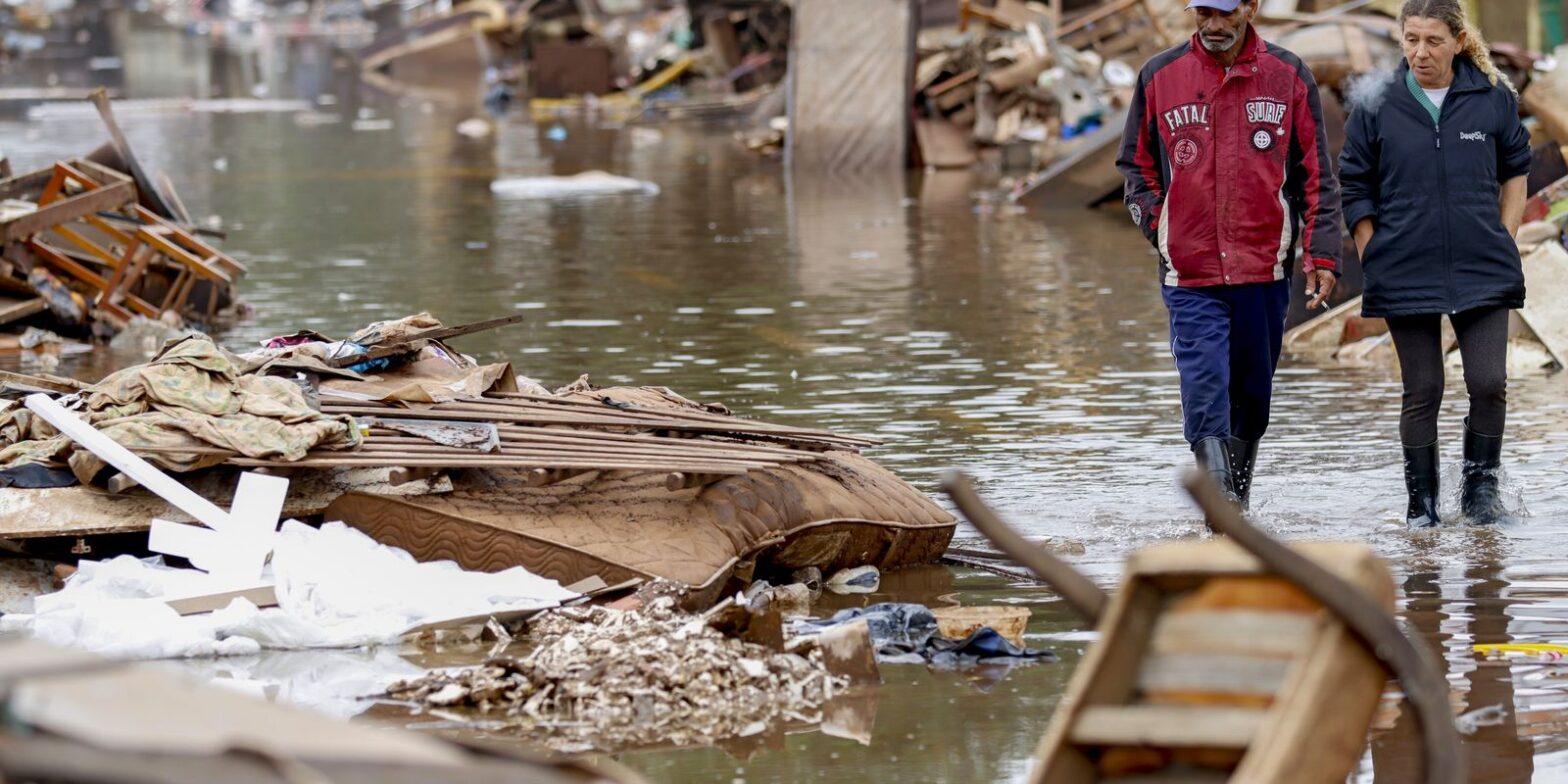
{"x":556,"y":438}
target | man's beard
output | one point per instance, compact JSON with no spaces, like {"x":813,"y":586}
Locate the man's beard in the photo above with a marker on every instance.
{"x":1221,"y":47}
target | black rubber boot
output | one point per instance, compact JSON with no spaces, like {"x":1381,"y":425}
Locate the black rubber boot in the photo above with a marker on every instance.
{"x":1213,"y":455}
{"x":1421,"y":482}
{"x":1243,"y":457}
{"x":1481,"y":498}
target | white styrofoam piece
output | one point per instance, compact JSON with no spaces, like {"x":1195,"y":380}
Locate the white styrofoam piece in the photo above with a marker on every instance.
{"x":258,"y":504}
{"x":235,"y":544}
{"x":230,"y":559}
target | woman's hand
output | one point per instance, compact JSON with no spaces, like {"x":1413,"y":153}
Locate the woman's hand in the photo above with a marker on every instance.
{"x":1363,"y":232}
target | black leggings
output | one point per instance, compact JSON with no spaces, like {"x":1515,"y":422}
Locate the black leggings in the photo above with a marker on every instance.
{"x":1483,"y":343}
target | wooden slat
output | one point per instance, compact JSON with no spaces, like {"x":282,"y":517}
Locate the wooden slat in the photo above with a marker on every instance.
{"x":1167,"y":726}
{"x":526,"y":416}
{"x":26,"y":186}
{"x":676,"y":413}
{"x":1225,"y":674}
{"x":16,"y":310}
{"x":74,"y":208}
{"x":349,"y":461}
{"x":64,"y":264}
{"x":1274,"y":635}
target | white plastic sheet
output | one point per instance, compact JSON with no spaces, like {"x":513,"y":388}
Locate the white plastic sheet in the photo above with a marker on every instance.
{"x":336,"y":587}
{"x":590,"y":183}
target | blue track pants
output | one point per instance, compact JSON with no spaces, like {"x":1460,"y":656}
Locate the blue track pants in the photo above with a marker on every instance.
{"x":1226,"y":341}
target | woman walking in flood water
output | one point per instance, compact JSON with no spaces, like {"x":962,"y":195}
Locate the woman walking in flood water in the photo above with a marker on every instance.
{"x":1433,"y":175}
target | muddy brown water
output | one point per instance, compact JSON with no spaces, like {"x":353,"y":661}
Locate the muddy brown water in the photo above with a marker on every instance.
{"x":1027,"y":348}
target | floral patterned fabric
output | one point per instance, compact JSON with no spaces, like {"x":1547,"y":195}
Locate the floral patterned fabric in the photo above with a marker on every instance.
{"x":195,"y":397}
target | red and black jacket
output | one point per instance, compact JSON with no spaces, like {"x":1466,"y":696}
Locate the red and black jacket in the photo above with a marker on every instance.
{"x":1225,"y":171}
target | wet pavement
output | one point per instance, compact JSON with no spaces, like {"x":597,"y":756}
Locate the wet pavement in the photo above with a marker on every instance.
{"x":1028,"y":348}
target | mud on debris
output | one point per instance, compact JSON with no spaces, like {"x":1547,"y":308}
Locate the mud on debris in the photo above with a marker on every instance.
{"x":607,"y":680}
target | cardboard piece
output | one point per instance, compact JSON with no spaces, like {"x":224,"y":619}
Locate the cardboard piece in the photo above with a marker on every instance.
{"x":261,"y":596}
{"x":847,"y":651}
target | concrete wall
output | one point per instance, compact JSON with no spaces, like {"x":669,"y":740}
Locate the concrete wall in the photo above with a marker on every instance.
{"x":851,"y":69}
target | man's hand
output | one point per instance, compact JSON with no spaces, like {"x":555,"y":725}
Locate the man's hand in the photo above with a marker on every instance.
{"x":1320,"y":284}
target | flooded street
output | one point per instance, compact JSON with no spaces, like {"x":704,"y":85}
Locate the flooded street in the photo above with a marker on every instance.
{"x":1029,"y":349}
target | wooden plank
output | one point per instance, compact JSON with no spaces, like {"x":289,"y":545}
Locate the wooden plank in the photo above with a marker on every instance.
{"x":1210,"y":673}
{"x":634,"y":415}
{"x":16,"y":310}
{"x":526,"y":416}
{"x":585,"y":447}
{"x":1279,"y":635}
{"x":146,"y":189}
{"x":1546,"y":311}
{"x":438,"y":462}
{"x":1168,"y":726}
{"x":64,"y":386}
{"x":73,"y":208}
{"x":26,"y":186}
{"x":555,"y":449}
{"x":63,"y":263}
{"x":261,"y":596}
{"x":1106,"y":676}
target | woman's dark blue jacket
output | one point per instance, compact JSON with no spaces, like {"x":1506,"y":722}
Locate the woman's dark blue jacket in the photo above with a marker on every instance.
{"x":1432,"y":189}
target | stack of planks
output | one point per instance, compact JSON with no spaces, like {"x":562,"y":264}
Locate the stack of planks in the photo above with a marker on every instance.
{"x":556,"y":438}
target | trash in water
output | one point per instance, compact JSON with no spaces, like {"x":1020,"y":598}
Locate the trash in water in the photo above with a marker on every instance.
{"x":910,"y":634}
{"x":589,"y":183}
{"x":1548,"y":652}
{"x":475,"y":128}
{"x":602,"y":679}
{"x":336,"y":588}
{"x":861,"y":579}
{"x":960,"y":622}
{"x":1490,"y":716}
{"x":791,"y":601}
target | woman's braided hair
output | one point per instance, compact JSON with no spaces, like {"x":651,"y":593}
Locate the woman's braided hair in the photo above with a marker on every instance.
{"x":1453,"y":14}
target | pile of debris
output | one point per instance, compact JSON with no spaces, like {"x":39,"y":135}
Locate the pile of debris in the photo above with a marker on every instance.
{"x":99,"y":244}
{"x":1031,"y":79}
{"x":603,"y":679}
{"x":688,"y":58}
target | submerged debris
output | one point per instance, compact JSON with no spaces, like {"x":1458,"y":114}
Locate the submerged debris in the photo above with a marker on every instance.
{"x":607,"y":679}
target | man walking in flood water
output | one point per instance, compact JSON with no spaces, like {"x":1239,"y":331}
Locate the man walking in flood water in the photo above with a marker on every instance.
{"x":1227,"y":169}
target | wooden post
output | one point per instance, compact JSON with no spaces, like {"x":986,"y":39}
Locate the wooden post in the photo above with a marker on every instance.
{"x":851,"y":73}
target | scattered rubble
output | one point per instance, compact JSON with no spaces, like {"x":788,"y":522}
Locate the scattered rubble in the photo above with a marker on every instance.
{"x":600,"y":679}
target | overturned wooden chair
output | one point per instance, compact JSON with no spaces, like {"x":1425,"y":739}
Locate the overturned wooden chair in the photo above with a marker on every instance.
{"x":1231,"y":660}
{"x":114,"y":253}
